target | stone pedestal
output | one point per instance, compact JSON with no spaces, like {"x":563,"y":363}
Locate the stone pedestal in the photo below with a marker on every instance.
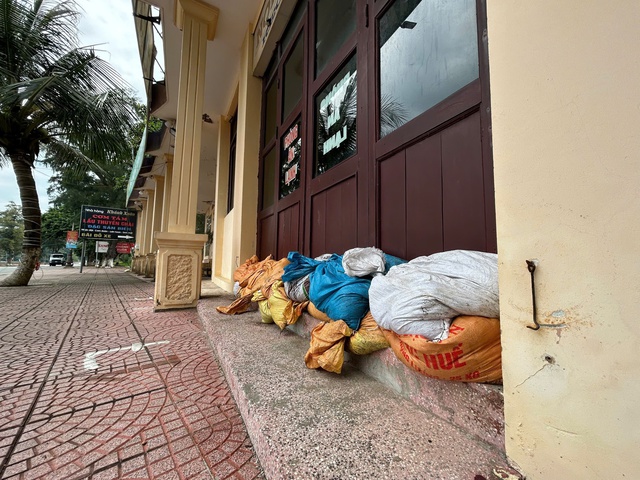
{"x":178,"y":270}
{"x":150,"y":265}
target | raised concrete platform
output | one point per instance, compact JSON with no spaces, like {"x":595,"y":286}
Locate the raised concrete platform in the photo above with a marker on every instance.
{"x":312,"y":424}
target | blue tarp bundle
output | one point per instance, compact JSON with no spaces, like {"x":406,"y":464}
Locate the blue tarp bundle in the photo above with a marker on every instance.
{"x":332,"y":291}
{"x":337,"y":294}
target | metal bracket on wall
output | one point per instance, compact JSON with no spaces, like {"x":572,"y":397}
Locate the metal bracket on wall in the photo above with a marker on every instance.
{"x":531,"y":266}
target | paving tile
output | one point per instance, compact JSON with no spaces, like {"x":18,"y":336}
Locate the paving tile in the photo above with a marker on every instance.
{"x":109,"y":407}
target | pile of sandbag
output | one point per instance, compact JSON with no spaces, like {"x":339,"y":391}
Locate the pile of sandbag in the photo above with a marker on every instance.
{"x":438,"y":313}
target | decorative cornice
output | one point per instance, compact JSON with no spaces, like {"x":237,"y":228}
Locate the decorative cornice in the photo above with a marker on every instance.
{"x":199,"y":10}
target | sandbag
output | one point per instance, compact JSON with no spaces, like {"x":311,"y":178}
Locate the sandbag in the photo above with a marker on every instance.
{"x":247,"y":268}
{"x":298,"y":289}
{"x":361,"y":262}
{"x":299,"y":266}
{"x":317,"y":314}
{"x":263,"y":306}
{"x":337,"y":294}
{"x":262,"y":278}
{"x":367,"y":339}
{"x":284,"y":311}
{"x":471,"y":353}
{"x":435,"y":288}
{"x":326,"y":348}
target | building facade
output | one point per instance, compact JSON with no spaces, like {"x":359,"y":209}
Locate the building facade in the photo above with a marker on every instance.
{"x":420,"y":126}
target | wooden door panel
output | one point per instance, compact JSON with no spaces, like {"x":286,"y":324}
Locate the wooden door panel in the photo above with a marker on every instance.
{"x":334,"y":215}
{"x":288,"y":230}
{"x":424,"y":198}
{"x":463,"y":195}
{"x":267,"y":236}
{"x":393,"y":235}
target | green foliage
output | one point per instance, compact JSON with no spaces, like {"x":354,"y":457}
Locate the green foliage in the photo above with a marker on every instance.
{"x":11,"y":231}
{"x":57,"y":96}
{"x":55,"y":224}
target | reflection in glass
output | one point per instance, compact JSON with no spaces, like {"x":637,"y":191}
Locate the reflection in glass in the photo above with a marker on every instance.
{"x":428,"y":50}
{"x":290,"y":156}
{"x":335,"y":114}
{"x":332,"y":28}
{"x":268,"y":179}
{"x":292,"y":80}
{"x":270,"y":115}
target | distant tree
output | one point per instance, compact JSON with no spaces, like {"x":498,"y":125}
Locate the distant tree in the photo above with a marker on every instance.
{"x":11,"y":231}
{"x":56,"y":222}
{"x":56,"y":96}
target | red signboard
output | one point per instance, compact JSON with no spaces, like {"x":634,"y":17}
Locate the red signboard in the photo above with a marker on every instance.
{"x":124,"y":247}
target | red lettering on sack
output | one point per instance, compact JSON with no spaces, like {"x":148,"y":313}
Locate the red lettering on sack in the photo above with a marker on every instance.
{"x":455,"y":329}
{"x":430,"y":361}
{"x":472,"y":376}
{"x":457,"y":354}
{"x":446,"y":361}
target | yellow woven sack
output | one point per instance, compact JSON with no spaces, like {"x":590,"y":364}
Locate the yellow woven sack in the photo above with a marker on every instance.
{"x":263,"y":306}
{"x":284,"y":311}
{"x":368,"y":338}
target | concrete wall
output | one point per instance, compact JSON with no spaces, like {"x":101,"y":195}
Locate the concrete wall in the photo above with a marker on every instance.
{"x":566,"y":143}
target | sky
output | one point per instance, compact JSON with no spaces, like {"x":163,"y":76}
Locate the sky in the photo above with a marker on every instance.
{"x":109,"y":26}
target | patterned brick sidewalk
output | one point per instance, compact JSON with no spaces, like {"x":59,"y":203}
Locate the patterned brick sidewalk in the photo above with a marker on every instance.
{"x":95,"y":385}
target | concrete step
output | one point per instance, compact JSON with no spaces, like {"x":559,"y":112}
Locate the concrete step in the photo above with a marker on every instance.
{"x":476,"y":408}
{"x":309,"y":424}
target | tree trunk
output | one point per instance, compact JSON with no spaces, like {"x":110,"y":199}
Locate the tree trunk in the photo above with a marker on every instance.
{"x":31,"y":245}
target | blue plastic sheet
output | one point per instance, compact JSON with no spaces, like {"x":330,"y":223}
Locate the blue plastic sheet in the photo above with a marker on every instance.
{"x":337,"y":294}
{"x":301,"y":266}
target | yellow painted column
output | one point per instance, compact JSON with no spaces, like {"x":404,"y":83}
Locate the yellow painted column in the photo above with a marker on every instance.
{"x":166,"y":200}
{"x":179,"y":262}
{"x":142,"y":226}
{"x":148,"y":223}
{"x":158,"y":207}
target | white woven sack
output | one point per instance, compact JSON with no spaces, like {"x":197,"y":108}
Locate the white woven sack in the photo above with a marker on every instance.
{"x":361,"y":262}
{"x":422,"y":296}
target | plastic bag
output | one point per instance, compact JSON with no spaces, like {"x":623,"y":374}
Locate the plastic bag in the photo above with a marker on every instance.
{"x":247,"y":268}
{"x":326,"y":348}
{"x":367,"y":339}
{"x":435,"y":289}
{"x":471,"y":353}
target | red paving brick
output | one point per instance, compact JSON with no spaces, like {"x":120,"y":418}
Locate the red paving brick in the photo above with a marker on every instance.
{"x":95,"y":385}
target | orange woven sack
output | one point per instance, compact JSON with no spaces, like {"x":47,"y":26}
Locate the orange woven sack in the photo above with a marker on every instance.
{"x":326,"y":349}
{"x":247,"y":268}
{"x":471,"y":353}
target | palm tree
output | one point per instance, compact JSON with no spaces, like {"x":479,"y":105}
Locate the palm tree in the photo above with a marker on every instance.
{"x":54,"y":96}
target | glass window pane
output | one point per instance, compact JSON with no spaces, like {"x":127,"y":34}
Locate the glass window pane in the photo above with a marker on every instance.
{"x":428,"y":50}
{"x":335,"y":22}
{"x":268,"y":179}
{"x":335,"y":114}
{"x":292,"y":81}
{"x":290,"y":156}
{"x":270,"y":115}
{"x":292,"y":26}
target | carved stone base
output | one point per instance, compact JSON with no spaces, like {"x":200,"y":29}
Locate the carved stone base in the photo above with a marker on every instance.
{"x":178,"y":270}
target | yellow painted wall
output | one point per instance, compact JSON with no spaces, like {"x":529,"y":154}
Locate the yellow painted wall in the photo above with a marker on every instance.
{"x":565,"y":97}
{"x":235,"y":232}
